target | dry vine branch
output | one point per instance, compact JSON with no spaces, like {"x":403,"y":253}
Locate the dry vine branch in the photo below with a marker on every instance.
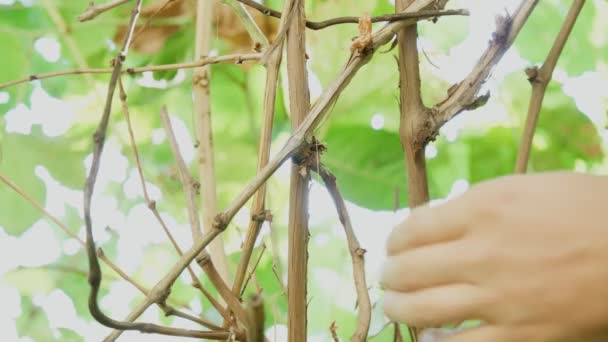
{"x":459,"y":102}
{"x":413,"y":114}
{"x":357,"y":255}
{"x":98,"y":143}
{"x":102,"y":256}
{"x":539,"y":79}
{"x":168,"y":310}
{"x":202,"y":119}
{"x":189,"y":185}
{"x":255,"y":310}
{"x":463,"y":95}
{"x":40,"y":208}
{"x":94,"y":10}
{"x":354,"y":20}
{"x":283,"y":27}
{"x":420,"y":125}
{"x":252,"y":270}
{"x":237,"y":58}
{"x":316,"y":115}
{"x":297,"y":235}
{"x":95,"y":275}
{"x":149,"y":19}
{"x":397,"y":337}
{"x":152,"y":205}
{"x":205,"y":262}
{"x":319,"y":111}
{"x":258,"y":203}
{"x":162,"y":286}
{"x":333,"y":329}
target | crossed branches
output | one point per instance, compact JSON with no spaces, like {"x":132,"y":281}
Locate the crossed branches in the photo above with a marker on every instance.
{"x":247,"y":323}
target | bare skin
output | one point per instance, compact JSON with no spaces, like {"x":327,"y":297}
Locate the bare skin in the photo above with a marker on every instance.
{"x":526,"y":255}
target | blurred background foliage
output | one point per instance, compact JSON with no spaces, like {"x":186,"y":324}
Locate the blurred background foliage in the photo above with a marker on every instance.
{"x":46,"y":128}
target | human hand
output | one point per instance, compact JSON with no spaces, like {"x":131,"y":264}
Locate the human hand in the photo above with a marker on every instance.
{"x":526,"y":255}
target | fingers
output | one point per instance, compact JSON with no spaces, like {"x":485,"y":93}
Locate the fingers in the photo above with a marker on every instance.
{"x":484,"y":333}
{"x":427,"y":225}
{"x":427,"y":266}
{"x":435,"y":306}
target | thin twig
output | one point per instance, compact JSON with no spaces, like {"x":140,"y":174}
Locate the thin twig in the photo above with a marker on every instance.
{"x":101,"y":255}
{"x":152,"y":205}
{"x":333,"y":329}
{"x":190,"y":186}
{"x":201,"y":85}
{"x":94,"y":10}
{"x":258,"y":203}
{"x":170,"y":311}
{"x":397,"y":337}
{"x":539,"y":79}
{"x":149,"y":19}
{"x":354,"y":20}
{"x":252,"y":271}
{"x":66,"y":31}
{"x":162,"y":287}
{"x":95,"y":274}
{"x":167,"y":309}
{"x":289,"y":12}
{"x":188,"y":183}
{"x":247,"y":20}
{"x":206,"y":263}
{"x":413,"y":333}
{"x":237,"y":58}
{"x":34,"y":203}
{"x":357,"y":255}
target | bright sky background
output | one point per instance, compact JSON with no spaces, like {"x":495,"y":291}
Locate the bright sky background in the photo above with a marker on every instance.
{"x":56,"y":117}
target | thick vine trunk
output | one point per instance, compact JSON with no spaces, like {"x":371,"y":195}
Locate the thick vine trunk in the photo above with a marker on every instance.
{"x":299,"y":102}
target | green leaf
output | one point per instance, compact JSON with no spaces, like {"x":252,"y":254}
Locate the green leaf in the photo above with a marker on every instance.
{"x":25,"y":19}
{"x":368,"y":165}
{"x":177,"y":49}
{"x":491,"y":153}
{"x":563,"y":135}
{"x":586,"y":46}
{"x":68,"y":335}
{"x":451,"y":163}
{"x":75,"y":285}
{"x":20,"y":156}
{"x":568,"y":135}
{"x":31,"y":281}
{"x":33,"y":322}
{"x":13,"y":55}
{"x":370,"y":168}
